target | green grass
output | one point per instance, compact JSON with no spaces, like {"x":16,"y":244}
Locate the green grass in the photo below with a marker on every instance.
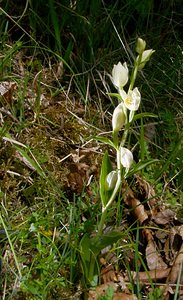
{"x":43,"y":218}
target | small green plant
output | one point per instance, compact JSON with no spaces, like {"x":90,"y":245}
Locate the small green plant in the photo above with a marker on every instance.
{"x":112,"y":179}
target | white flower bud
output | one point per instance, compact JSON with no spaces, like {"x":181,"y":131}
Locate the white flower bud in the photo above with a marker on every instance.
{"x":120,"y":75}
{"x":126,"y":157}
{"x":141,"y":45}
{"x":145,"y":57}
{"x":111,"y":180}
{"x":118,"y":117}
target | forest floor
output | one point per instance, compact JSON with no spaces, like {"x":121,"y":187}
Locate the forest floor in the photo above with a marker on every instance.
{"x":49,"y":191}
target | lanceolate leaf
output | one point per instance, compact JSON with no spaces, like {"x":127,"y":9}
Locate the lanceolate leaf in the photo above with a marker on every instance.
{"x":106,"y":168}
{"x":115,"y":95}
{"x":99,"y":243}
{"x":141,"y":165}
{"x":104,"y":140}
{"x":85,"y":252}
{"x":144,"y":115}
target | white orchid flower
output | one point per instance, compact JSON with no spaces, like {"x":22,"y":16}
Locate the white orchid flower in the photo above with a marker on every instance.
{"x":131,"y":99}
{"x":118,"y":117}
{"x":120,"y":75}
{"x":126,"y":157}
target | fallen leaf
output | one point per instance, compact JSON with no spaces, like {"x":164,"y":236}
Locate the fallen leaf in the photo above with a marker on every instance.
{"x":138,"y":208}
{"x":6,"y":91}
{"x":177,"y":268}
{"x":123,"y":296}
{"x":172,"y":244}
{"x":101,"y":290}
{"x":148,"y":190}
{"x":147,"y":277}
{"x":164,"y":217}
{"x":108,"y":274}
{"x":153,"y":257}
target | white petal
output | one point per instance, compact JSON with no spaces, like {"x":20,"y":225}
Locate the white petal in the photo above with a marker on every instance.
{"x":123,"y":94}
{"x":132,"y":101}
{"x":111,"y":180}
{"x":120,"y":75}
{"x":126,"y":157}
{"x":146,"y":55}
{"x":118,"y":118}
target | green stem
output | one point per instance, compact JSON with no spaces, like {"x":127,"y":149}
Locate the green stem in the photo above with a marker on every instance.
{"x":115,"y":191}
{"x":134,"y":75}
{"x":125,"y":134}
{"x":104,"y":214}
{"x":135,"y":71}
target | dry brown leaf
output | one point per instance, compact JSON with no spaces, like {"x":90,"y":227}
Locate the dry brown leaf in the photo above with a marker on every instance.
{"x":173,"y":244}
{"x":161,"y":235}
{"x":167,"y":292}
{"x":6,"y":91}
{"x":149,"y":192}
{"x":108,"y":274}
{"x":101,"y":291}
{"x":177,"y":268}
{"x":82,"y":169}
{"x":147,"y":277}
{"x":164,"y":217}
{"x":153,"y":257}
{"x":123,"y":296}
{"x":136,"y":205}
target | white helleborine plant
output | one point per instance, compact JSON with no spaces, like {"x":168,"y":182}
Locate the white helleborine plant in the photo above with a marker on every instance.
{"x":111,"y":181}
{"x":120,"y":75}
{"x":131,"y":99}
{"x":126,"y":157}
{"x":118,"y":117}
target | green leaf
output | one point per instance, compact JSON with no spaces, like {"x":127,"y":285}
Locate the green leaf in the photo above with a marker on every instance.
{"x":115,"y":95}
{"x":144,"y":115}
{"x":85,"y":246}
{"x":104,"y":140}
{"x":85,"y":253}
{"x":99,"y":243}
{"x":141,"y":165}
{"x":106,"y":168}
